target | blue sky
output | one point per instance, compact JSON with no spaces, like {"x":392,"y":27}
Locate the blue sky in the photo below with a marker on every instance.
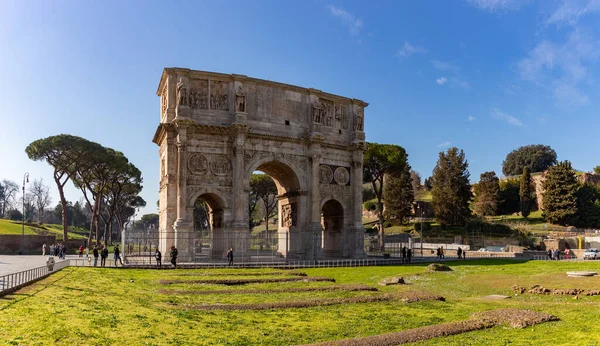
{"x":486,"y":76}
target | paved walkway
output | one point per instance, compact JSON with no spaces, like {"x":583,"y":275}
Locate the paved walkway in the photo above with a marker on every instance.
{"x":15,"y":263}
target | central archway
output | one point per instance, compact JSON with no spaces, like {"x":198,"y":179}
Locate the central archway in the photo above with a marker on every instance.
{"x":291,"y":209}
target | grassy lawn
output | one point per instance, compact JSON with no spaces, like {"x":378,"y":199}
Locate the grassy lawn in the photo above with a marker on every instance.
{"x":423,"y":195}
{"x":14,"y":227}
{"x":107,"y":306}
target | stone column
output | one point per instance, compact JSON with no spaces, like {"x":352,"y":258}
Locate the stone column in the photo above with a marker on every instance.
{"x":239,"y":234}
{"x":240,"y":208}
{"x":182,"y":225}
{"x":357,"y":247}
{"x":315,"y":228}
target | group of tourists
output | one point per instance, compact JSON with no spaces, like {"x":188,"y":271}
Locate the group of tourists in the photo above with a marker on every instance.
{"x":102,"y":252}
{"x":174,"y":254}
{"x":56,"y":250}
{"x":439,"y":254}
{"x":460,"y":253}
{"x":554,"y":255}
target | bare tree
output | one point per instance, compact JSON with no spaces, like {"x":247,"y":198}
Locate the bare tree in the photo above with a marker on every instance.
{"x":8,"y":191}
{"x":41,"y":197}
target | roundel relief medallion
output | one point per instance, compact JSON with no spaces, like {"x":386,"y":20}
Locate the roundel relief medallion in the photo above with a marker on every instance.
{"x":325,"y":174}
{"x":220,"y":165}
{"x":341,"y":176}
{"x":198,"y":164}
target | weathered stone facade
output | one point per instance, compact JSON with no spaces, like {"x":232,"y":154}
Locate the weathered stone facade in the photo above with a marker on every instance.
{"x":217,"y":129}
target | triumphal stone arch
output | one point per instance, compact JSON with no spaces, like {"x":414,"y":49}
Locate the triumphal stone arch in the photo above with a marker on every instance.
{"x":217,"y":129}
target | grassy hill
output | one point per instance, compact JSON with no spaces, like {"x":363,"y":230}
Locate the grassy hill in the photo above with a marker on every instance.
{"x":15,"y":227}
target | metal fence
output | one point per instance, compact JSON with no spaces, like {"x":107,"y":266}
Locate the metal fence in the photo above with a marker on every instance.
{"x":12,"y":282}
{"x":209,"y":247}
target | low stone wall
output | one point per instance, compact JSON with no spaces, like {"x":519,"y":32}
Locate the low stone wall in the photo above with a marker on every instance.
{"x":10,"y":244}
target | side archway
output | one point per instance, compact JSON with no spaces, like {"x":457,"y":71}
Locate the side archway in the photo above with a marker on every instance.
{"x":332,"y":223}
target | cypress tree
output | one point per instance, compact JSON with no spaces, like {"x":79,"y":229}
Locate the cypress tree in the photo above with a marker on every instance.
{"x":398,"y":195}
{"x":487,"y":195}
{"x":560,"y":194}
{"x":451,"y":190}
{"x":526,"y":193}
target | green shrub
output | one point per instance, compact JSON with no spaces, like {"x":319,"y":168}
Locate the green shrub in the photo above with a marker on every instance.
{"x":370,"y":205}
{"x":490,"y":229}
{"x":387,"y":224}
{"x":426,"y":226}
{"x":368,"y":193}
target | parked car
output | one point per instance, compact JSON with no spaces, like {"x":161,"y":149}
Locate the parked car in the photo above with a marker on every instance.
{"x":592,"y":253}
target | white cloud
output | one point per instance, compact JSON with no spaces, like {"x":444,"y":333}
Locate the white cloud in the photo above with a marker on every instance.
{"x":441,"y":81}
{"x":445,"y":144}
{"x":570,"y":94}
{"x":506,"y":117}
{"x":498,"y":5}
{"x":408,"y":50}
{"x":561,"y":66}
{"x":443,"y":65}
{"x":572,"y":10}
{"x":353,"y":24}
{"x":471,"y":118}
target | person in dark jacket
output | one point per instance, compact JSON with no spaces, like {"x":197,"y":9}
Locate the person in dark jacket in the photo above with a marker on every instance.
{"x":174,"y":256}
{"x":103,"y":256}
{"x":118,"y":256}
{"x":95,"y":251}
{"x":230,"y":256}
{"x":158,"y":257}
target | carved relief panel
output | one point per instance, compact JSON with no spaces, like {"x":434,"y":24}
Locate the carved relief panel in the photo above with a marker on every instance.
{"x":199,"y":94}
{"x":219,"y":95}
{"x":325,"y":174}
{"x":341,"y":176}
{"x":289,"y":215}
{"x":341,"y":116}
{"x":197,"y":164}
{"x":220,"y":165}
{"x":323,"y":112}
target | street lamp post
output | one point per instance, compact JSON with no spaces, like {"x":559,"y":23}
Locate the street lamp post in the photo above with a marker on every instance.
{"x":25,"y":180}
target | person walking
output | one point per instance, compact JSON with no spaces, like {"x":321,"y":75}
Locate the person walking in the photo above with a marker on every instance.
{"x":158,"y":257}
{"x":103,"y":256}
{"x":567,"y":254}
{"x":459,"y":253}
{"x":95,"y":253}
{"x":549,"y":253}
{"x":408,"y":255}
{"x":230,"y":256}
{"x":118,"y":255}
{"x":557,"y":254}
{"x":44,"y":249}
{"x":80,"y":251}
{"x":52,"y":250}
{"x":174,"y":256}
{"x":404,"y":254}
{"x":442,"y":253}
